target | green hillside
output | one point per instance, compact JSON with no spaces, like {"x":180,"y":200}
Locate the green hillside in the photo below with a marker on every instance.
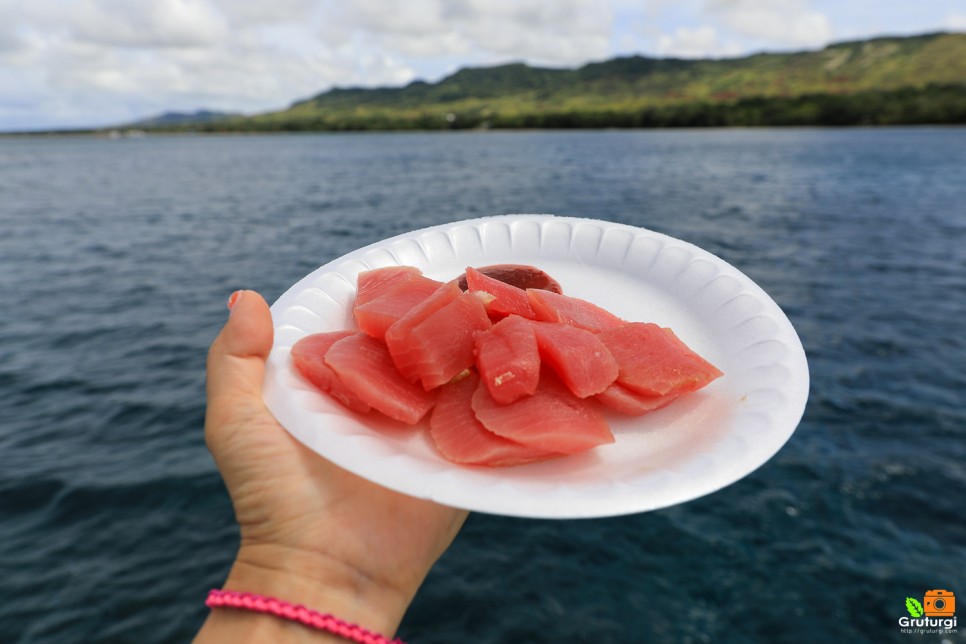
{"x":919,"y":79}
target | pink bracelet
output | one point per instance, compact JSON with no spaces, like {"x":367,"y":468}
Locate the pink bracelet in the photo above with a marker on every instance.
{"x":296,"y":613}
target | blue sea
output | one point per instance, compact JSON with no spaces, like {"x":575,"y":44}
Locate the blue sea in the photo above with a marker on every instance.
{"x":117,"y":256}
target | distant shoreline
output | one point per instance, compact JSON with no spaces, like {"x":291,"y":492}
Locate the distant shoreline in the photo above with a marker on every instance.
{"x":930,"y":105}
{"x":97,"y":134}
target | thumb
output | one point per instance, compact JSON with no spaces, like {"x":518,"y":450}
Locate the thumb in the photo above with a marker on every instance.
{"x":236,"y":360}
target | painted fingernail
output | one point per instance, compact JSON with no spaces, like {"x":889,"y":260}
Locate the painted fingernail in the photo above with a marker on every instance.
{"x":233,"y":298}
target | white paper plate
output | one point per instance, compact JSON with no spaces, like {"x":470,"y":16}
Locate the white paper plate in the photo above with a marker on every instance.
{"x":699,"y":444}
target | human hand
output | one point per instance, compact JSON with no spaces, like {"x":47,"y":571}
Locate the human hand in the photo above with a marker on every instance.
{"x":311,"y":532}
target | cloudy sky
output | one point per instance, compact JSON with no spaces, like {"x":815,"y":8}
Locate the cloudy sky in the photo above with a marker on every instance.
{"x":77,"y":63}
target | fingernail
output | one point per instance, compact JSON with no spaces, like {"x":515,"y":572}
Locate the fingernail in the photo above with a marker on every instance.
{"x":233,"y":299}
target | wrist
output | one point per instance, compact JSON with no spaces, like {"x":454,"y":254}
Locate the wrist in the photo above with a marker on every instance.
{"x":320,"y":583}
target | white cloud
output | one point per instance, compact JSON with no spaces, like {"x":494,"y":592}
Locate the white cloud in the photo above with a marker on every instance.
{"x":415,"y":18}
{"x":10,"y":40}
{"x":789,"y":23}
{"x":148,"y":23}
{"x":955,"y":21}
{"x":247,"y":13}
{"x":554,"y":33}
{"x":122,"y":23}
{"x":700,"y":42}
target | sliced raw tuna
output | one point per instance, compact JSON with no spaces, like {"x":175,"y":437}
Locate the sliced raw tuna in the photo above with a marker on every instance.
{"x":506,"y":299}
{"x":512,"y":392}
{"x":389,"y":295}
{"x":508,"y":360}
{"x":364,"y":366}
{"x":379,"y":281}
{"x":621,"y":399}
{"x":397,"y":334}
{"x":440,"y":345}
{"x":554,"y":307}
{"x":655,"y":362}
{"x":461,"y":438}
{"x":552,"y":418}
{"x":519,"y":275}
{"x":579,"y":358}
{"x":308,"y":355}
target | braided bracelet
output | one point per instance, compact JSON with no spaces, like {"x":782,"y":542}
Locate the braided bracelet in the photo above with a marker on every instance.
{"x":296,"y":613}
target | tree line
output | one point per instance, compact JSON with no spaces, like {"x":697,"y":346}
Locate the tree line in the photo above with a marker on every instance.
{"x":933,"y":104}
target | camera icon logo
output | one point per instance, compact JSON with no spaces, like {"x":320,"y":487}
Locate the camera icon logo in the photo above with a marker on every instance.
{"x":939,"y":603}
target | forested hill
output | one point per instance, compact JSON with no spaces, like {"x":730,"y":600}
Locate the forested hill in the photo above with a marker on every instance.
{"x":892,"y":80}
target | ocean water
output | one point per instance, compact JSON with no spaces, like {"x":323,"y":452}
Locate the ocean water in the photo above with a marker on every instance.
{"x":117,"y":256}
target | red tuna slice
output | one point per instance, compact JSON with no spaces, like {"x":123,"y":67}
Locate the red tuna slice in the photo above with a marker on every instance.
{"x":655,"y":362}
{"x":519,"y":275}
{"x":508,"y":360}
{"x":439,"y":298}
{"x":398,"y":334}
{"x":554,"y":307}
{"x":308,"y":355}
{"x":461,"y":438}
{"x":506,"y":300}
{"x":441,"y":345}
{"x":579,"y":358}
{"x":385,"y":299}
{"x":364,"y":366}
{"x":379,"y":281}
{"x":621,"y":399}
{"x":551,"y":419}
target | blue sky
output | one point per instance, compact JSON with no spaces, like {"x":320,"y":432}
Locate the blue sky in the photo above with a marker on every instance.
{"x":82,"y":63}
